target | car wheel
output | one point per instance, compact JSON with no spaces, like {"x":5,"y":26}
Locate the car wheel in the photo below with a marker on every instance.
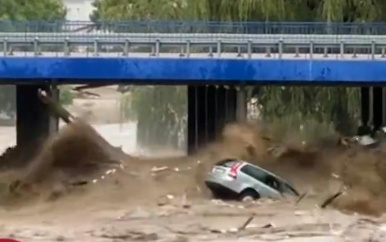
{"x":249,"y":195}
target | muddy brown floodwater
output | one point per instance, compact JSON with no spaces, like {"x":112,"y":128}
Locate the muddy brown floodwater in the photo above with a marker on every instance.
{"x":198,"y":221}
{"x":80,"y":188}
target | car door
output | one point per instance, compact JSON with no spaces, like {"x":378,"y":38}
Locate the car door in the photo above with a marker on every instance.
{"x":260,"y":181}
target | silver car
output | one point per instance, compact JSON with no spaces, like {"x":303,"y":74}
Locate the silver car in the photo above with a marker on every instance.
{"x":232,"y":178}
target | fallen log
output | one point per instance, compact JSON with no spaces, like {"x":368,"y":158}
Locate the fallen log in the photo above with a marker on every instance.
{"x":55,"y":108}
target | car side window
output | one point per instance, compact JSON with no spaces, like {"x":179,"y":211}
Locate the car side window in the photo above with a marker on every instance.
{"x":254,"y":172}
{"x":261,"y":176}
{"x":273,"y":182}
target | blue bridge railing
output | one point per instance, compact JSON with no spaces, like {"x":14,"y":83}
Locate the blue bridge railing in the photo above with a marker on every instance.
{"x":148,"y":26}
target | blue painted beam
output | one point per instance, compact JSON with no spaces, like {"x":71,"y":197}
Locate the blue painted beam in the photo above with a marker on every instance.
{"x":173,"y":70}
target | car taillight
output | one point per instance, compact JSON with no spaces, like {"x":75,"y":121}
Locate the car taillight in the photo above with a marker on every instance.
{"x":233,"y":171}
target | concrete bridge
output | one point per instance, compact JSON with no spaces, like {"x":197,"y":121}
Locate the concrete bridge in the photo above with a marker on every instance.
{"x":215,"y":66}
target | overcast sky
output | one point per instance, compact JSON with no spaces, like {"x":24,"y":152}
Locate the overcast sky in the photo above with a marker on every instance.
{"x":78,"y":9}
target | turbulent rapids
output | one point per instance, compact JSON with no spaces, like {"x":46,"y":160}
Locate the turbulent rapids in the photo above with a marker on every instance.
{"x":78,"y":162}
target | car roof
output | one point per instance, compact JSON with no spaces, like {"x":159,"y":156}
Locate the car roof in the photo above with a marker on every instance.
{"x":224,"y":161}
{"x":244,"y":163}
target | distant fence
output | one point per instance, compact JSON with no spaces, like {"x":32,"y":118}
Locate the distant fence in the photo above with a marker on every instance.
{"x":157,"y":26}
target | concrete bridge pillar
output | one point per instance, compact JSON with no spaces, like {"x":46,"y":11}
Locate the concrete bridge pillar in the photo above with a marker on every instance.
{"x":377,"y":108}
{"x":384,"y":106}
{"x":34,"y":122}
{"x":242,"y":104}
{"x":373,"y":109}
{"x":364,"y":127}
{"x":210,"y":108}
{"x":54,"y":93}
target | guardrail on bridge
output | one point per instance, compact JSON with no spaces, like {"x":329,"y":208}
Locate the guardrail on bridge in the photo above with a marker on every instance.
{"x":62,"y":38}
{"x":62,"y":43}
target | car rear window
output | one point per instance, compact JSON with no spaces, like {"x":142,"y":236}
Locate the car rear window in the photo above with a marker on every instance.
{"x":227,"y":163}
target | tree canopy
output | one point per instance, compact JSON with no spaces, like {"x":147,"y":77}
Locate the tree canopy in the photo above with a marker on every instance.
{"x":38,"y":10}
{"x":242,"y":10}
{"x":14,"y":15}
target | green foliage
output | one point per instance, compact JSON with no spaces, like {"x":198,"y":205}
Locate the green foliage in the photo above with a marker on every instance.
{"x":17,"y":12}
{"x":8,"y":100}
{"x":13,"y":14}
{"x":66,"y":96}
{"x":160,"y":112}
{"x":118,"y":10}
{"x":297,"y":129}
{"x":339,"y":105}
{"x":39,"y":10}
{"x":242,"y":10}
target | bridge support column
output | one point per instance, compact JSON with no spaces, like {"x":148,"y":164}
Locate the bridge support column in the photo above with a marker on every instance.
{"x":383,"y":106}
{"x":210,"y":108}
{"x":54,"y":121}
{"x":242,"y":104}
{"x":373,"y":108}
{"x":34,"y":122}
{"x":364,"y":127}
{"x":377,"y":108}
